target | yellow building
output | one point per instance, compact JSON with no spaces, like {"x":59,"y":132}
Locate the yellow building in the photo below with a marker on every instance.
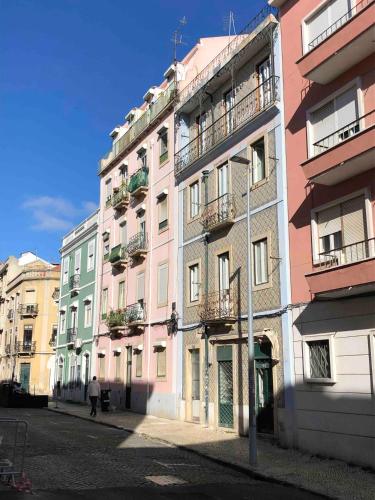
{"x":28,"y":321}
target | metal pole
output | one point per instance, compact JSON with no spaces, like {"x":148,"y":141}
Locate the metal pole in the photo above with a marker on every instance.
{"x":250,"y":336}
{"x":205,"y":175}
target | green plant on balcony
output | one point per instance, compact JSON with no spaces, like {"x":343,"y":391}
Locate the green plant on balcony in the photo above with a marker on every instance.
{"x":139,"y":179}
{"x":115,"y":319}
{"x":117,"y":253}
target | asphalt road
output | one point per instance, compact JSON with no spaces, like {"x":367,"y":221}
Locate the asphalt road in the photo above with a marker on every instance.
{"x":68,"y":458}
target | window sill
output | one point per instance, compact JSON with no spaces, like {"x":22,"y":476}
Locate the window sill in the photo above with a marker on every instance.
{"x":259,"y":184}
{"x":262,"y":286}
{"x":163,"y":230}
{"x":321,"y":381}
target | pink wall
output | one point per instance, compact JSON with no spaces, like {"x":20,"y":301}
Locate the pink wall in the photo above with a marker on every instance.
{"x":299,"y":96}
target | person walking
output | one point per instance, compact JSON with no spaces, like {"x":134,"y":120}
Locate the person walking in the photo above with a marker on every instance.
{"x":93,"y":392}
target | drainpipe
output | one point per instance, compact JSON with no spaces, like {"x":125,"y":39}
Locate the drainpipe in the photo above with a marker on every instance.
{"x":205,"y":175}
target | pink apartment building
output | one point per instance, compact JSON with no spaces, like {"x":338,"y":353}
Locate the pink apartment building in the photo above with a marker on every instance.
{"x":136,"y":345}
{"x":329,"y":96}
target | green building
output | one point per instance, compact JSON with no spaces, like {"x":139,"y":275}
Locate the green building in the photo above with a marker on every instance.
{"x":77,"y":308}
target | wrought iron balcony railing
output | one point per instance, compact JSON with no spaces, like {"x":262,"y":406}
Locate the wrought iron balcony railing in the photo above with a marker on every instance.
{"x":135,"y":313}
{"x":254,"y":103}
{"x":118,"y":256}
{"x":8,"y":349}
{"x":137,"y":244}
{"x":344,"y":133}
{"x":71,"y":335}
{"x":56,"y":294}
{"x":116,"y":319}
{"x":359,"y":6}
{"x":120,"y":198}
{"x":26,"y":347}
{"x":10,"y":314}
{"x":136,"y":129}
{"x":348,"y":254}
{"x":218,"y":307}
{"x":218,"y":213}
{"x":28,"y":309}
{"x":74,"y":282}
{"x":138,"y":181}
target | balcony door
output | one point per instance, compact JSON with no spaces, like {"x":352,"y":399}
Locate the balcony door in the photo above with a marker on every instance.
{"x":229,"y":111}
{"x":195,"y":385}
{"x":200,"y":123}
{"x":224,"y":299}
{"x":73,"y":318}
{"x":222,"y":191}
{"x":264,"y":83}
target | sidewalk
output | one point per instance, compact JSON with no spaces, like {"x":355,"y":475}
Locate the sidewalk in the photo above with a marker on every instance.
{"x":327,"y":477}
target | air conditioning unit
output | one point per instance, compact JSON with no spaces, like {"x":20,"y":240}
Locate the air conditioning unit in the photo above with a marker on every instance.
{"x":78,"y":343}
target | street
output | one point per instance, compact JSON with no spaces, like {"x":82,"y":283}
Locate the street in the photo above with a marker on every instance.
{"x":70,"y":458}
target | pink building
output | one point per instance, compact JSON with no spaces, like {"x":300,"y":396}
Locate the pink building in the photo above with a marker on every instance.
{"x":329,"y":97}
{"x":136,"y":344}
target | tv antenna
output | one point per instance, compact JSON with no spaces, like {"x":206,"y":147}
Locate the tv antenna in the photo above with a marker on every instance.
{"x":177,"y":38}
{"x":229,"y":25}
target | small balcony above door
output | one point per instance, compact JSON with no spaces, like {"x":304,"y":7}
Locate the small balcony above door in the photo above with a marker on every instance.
{"x":137,"y":246}
{"x":218,"y":213}
{"x":26,"y":348}
{"x":218,"y":307}
{"x":28,"y":310}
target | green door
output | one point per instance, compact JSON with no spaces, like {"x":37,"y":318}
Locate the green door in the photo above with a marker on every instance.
{"x":25,"y":376}
{"x":128,"y":385}
{"x":264,"y":387}
{"x":225,"y":372}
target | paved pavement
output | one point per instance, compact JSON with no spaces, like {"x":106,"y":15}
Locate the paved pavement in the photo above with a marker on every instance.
{"x":331,"y":478}
{"x":75,"y":459}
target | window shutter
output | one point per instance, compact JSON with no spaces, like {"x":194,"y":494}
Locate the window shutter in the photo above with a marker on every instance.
{"x":346,"y":107}
{"x":141,"y":286}
{"x":77,"y":262}
{"x":317,"y":24}
{"x":338,"y":9}
{"x":323,"y":121}
{"x":163,"y":210}
{"x":161,"y":362}
{"x":163,"y":284}
{"x":329,"y":221}
{"x":353,"y":220}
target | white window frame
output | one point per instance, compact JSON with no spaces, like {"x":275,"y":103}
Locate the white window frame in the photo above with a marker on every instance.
{"x":104,"y":310}
{"x":77,"y":259}
{"x":88,"y":302}
{"x":266,"y":283}
{"x":356,"y":82}
{"x":91,"y":251}
{"x":62,"y":314}
{"x":191,"y":283}
{"x":162,"y":265}
{"x":66,"y":270}
{"x":194,"y":203}
{"x":306,"y":358}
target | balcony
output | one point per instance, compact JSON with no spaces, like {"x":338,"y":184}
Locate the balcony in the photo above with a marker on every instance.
{"x":71,"y":336}
{"x":138,"y":129}
{"x":56,"y":294}
{"x":218,"y":307}
{"x":345,"y":271}
{"x":8,"y":349}
{"x":74,"y":282}
{"x":135,"y":314}
{"x":10,"y":315}
{"x":26,"y":348}
{"x":137,"y":246}
{"x":116,"y":322}
{"x":218,"y":213}
{"x":252,"y":105}
{"x":120,"y":198}
{"x":342,"y":45}
{"x":347,"y":152}
{"x":118,"y":257}
{"x":28,"y":310}
{"x":138,"y":184}
{"x":52,"y":342}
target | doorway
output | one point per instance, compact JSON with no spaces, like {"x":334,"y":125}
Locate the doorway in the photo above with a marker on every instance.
{"x":225,"y":386}
{"x":264,"y":387}
{"x":25,"y":376}
{"x":195,"y":385}
{"x":128,"y":384}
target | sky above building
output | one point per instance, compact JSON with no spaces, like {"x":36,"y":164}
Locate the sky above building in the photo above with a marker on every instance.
{"x":70,"y":70}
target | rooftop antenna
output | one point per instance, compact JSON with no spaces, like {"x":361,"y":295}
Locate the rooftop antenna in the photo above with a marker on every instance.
{"x":177,"y":38}
{"x":229,"y":24}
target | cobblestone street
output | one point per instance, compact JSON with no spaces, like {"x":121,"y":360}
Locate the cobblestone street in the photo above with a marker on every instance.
{"x":70,"y":458}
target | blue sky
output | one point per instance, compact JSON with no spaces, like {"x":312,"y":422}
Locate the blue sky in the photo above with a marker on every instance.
{"x":69,"y":72}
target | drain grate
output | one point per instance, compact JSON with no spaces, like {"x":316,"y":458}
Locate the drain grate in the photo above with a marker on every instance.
{"x":165,"y":480}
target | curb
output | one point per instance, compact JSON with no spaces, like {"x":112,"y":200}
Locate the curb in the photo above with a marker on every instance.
{"x":236,"y":467}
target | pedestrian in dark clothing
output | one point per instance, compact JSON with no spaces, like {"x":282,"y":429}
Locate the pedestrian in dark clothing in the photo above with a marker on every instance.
{"x":94,"y":393}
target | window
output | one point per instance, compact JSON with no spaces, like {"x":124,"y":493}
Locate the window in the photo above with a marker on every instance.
{"x":90,"y":255}
{"x":200,"y":123}
{"x":223,"y":271}
{"x":60,"y":369}
{"x":123,"y":174}
{"x":65,"y":270}
{"x":77,"y":262}
{"x":161,"y":362}
{"x":62,"y":322}
{"x":334,"y":122}
{"x":123,"y":234}
{"x":88,"y":313}
{"x":264,"y":82}
{"x":163,"y":145}
{"x":163,"y":213}
{"x":194,"y":199}
{"x":117,"y":356}
{"x":121,"y":295}
{"x":228,"y":99}
{"x":163,"y":284}
{"x":223,"y":180}
{"x":78,"y":371}
{"x":140,"y":287}
{"x":138,"y":363}
{"x":260,"y":256}
{"x":72,"y":374}
{"x":101,"y":366}
{"x":142,"y":158}
{"x":259,"y":164}
{"x":105,"y":250}
{"x":108,"y":191}
{"x":104,"y":302}
{"x":194,"y":282}
{"x":318,"y":359}
{"x":27,"y":336}
{"x":54,"y":333}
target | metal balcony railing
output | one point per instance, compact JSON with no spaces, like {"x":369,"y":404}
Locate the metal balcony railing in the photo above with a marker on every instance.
{"x":116,"y":319}
{"x":138,"y":180}
{"x":148,"y":117}
{"x":26,"y":347}
{"x":118,"y":255}
{"x":121,"y":197}
{"x":8,"y":349}
{"x":28,"y":309}
{"x":137,"y":244}
{"x":348,"y":254}
{"x":56,"y":294}
{"x":359,"y":6}
{"x":135,"y":313}
{"x":218,"y":212}
{"x":74,"y":282}
{"x":218,"y":307}
{"x":10,"y":314}
{"x":257,"y":101}
{"x":71,"y":335}
{"x":344,"y":133}
{"x":52,"y":342}
{"x":236,"y":43}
